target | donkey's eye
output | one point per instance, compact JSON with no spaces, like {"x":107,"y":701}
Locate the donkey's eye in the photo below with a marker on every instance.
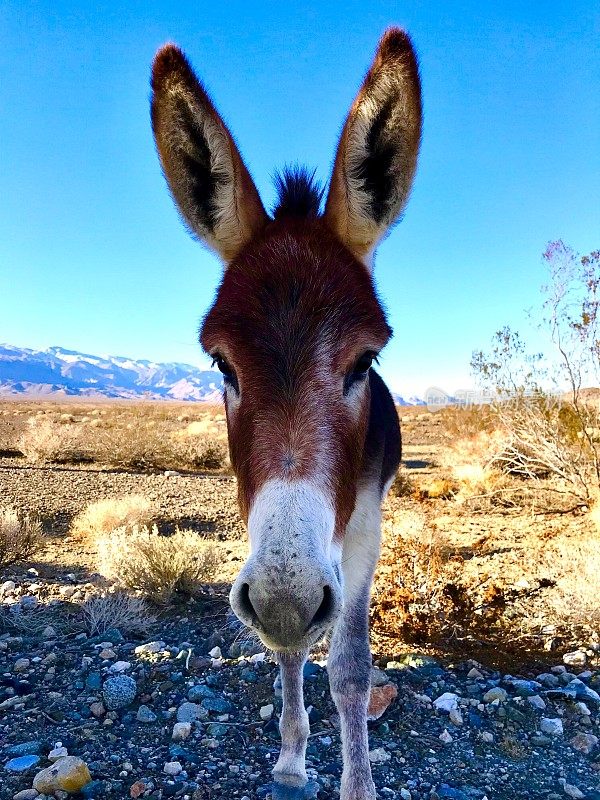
{"x":229,"y":376}
{"x":360,"y":369}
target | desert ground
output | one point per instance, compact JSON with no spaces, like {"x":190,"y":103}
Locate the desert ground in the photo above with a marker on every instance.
{"x":121,"y":538}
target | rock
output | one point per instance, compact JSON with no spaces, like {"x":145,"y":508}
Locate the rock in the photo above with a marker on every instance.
{"x":94,"y":681}
{"x":573,"y":791}
{"x":456,"y":717}
{"x":49,"y":632}
{"x":379,"y":756}
{"x":487,"y":737}
{"x":266,"y":712}
{"x":98,"y":709}
{"x":190,"y":712}
{"x":145,"y":714}
{"x":7,"y":587}
{"x":474,"y":674}
{"x":584,"y":742}
{"x":405,"y":794}
{"x":551,"y":727}
{"x":380,"y":699}
{"x":547,"y":679}
{"x":149,"y":648}
{"x":119,"y":692}
{"x":120,"y":666}
{"x":22,"y":763}
{"x":575,"y":659}
{"x":69,"y":774}
{"x":583,"y":692}
{"x":215,"y":652}
{"x":172,"y":768}
{"x":536,"y":701}
{"x":181,"y":731}
{"x":445,"y":737}
{"x":137,"y":789}
{"x":446,"y":702}
{"x":378,"y":677}
{"x":496,"y":693}
{"x":26,"y":794}
{"x":33,"y":747}
{"x":217,"y":705}
{"x":197,"y":693}
{"x":21,"y":665}
{"x":58,"y":752}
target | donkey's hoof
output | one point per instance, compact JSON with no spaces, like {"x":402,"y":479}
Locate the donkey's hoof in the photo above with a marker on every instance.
{"x":309,"y":791}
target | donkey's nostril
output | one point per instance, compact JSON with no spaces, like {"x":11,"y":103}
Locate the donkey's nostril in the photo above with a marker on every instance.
{"x":244,"y":601}
{"x":325,"y":609}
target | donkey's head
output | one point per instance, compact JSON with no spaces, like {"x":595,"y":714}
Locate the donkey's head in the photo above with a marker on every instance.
{"x":296,"y":324}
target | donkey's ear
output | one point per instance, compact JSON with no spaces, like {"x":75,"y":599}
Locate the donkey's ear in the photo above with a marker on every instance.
{"x":205,"y":172}
{"x":377,"y":154}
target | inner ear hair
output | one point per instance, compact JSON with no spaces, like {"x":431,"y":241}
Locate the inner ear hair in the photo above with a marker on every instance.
{"x":377,"y":154}
{"x":210,"y":184}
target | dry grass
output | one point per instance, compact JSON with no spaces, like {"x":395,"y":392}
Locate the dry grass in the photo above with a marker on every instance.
{"x":157,"y":566}
{"x":130,"y":614}
{"x":20,"y":536}
{"x":102,"y":517}
{"x":574,"y":566}
{"x":136,"y":436}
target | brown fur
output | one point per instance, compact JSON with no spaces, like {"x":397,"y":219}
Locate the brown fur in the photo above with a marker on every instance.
{"x":294,"y":312}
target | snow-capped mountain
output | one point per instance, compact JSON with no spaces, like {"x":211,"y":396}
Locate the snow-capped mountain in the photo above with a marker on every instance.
{"x":60,"y":372}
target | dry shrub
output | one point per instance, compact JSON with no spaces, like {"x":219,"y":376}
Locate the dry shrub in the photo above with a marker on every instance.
{"x":574,"y":566}
{"x":416,"y":569}
{"x":45,"y":440}
{"x":472,"y":463}
{"x":130,"y":614}
{"x":403,"y":485}
{"x":104,"y":516}
{"x":155,"y":565}
{"x":20,"y":536}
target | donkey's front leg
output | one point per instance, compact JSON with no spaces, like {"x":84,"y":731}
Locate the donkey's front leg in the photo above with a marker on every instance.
{"x":290,"y":771}
{"x":349,"y":667}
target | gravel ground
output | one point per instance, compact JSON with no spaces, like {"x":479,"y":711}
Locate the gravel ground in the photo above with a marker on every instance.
{"x":120,"y":705}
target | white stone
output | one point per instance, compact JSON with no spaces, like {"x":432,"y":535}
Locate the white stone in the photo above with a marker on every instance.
{"x":257,"y":658}
{"x":445,"y":737}
{"x":181,"y":731}
{"x":487,"y":737}
{"x":58,"y":752}
{"x":8,"y":587}
{"x":551,"y":727}
{"x":215,"y":653}
{"x":120,"y":666}
{"x":405,"y":794}
{"x":379,"y":756}
{"x":575,"y":659}
{"x":149,"y":647}
{"x":266,"y":712}
{"x":172,"y":768}
{"x":474,"y":674}
{"x":446,"y":702}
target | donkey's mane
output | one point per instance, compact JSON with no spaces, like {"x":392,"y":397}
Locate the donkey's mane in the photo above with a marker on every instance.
{"x":298,"y":193}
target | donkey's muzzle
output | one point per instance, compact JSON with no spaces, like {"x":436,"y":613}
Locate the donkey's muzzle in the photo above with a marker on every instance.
{"x":287,"y":617}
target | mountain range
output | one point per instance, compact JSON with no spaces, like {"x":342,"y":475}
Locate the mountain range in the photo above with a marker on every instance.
{"x":58,"y":372}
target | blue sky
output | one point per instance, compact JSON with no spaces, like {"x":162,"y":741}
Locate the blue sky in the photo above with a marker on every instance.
{"x":93,"y":257}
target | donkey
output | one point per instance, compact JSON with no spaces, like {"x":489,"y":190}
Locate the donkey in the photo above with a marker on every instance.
{"x":295,"y":327}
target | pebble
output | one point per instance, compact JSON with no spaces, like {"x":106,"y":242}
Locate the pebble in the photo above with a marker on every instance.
{"x":573,"y":791}
{"x":181,"y":731}
{"x":7,"y":587}
{"x":172,"y":768}
{"x":26,"y":794}
{"x":537,"y":702}
{"x":149,"y":648}
{"x":266,"y":712}
{"x":120,"y":666}
{"x":584,"y":742}
{"x":496,"y":693}
{"x":380,"y":699}
{"x":145,"y":714}
{"x":445,"y":737}
{"x":21,"y":665}
{"x":575,"y":659}
{"x":22,"y":763}
{"x":119,"y":692}
{"x":446,"y":702}
{"x":552,"y":727}
{"x":69,"y":774}
{"x":378,"y":677}
{"x":190,"y":712}
{"x":58,"y":752}
{"x":379,"y":756}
